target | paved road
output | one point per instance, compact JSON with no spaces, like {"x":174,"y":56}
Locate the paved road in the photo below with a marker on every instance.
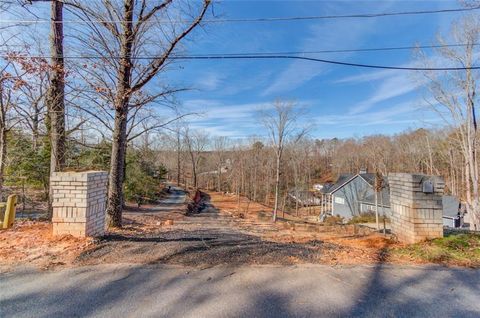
{"x":176,"y":197}
{"x":174,"y":201}
{"x":248,"y":291}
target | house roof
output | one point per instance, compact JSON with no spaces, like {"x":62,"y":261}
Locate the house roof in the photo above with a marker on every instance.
{"x":344,"y":179}
{"x":369,"y":177}
{"x":341,"y":181}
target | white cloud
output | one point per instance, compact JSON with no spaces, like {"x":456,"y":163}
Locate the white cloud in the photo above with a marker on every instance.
{"x":210,"y":81}
{"x":212,"y":109}
{"x":400,"y":113}
{"x":325,"y":35}
{"x":390,"y":87}
{"x":224,"y":119}
{"x":365,"y":77}
{"x":233,"y":120}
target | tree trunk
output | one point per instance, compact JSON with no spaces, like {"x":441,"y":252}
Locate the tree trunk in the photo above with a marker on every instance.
{"x":3,"y":156}
{"x":376,"y":209}
{"x":220,"y":178}
{"x":255,"y":181}
{"x":194,"y":171}
{"x":284,"y":201}
{"x":119,"y":140}
{"x":178,"y":158}
{"x":35,"y":127}
{"x":277,"y":188}
{"x":55,"y":95}
{"x":116,"y":177}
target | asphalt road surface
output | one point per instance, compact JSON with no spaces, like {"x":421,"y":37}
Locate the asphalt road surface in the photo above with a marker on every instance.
{"x":122,"y":290}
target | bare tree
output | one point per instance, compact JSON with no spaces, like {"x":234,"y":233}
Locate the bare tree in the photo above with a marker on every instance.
{"x":9,"y":83}
{"x":282,"y":124}
{"x":455,"y":95}
{"x":55,"y":99}
{"x":135,"y":40}
{"x":196,"y":143}
{"x":219,"y":146}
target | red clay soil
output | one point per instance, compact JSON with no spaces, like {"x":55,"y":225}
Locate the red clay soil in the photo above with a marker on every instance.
{"x":31,"y":243}
{"x":357,"y":249}
{"x":223,"y":234}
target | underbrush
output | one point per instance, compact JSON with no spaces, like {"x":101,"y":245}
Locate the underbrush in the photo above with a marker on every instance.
{"x":332,"y":220}
{"x":454,"y":249}
{"x":366,"y":218}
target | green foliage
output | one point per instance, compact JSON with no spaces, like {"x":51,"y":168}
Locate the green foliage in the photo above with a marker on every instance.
{"x":94,"y":158}
{"x":454,"y":248}
{"x":143,"y":176}
{"x":31,"y":165}
{"x":367,"y":218}
{"x":25,"y":161}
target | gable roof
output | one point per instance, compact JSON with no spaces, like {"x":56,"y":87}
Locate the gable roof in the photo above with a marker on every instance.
{"x":368,"y":177}
{"x":344,"y":179}
{"x":341,"y":181}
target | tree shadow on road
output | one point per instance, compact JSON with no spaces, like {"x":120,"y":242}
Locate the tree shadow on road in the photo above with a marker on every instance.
{"x":390,"y":293}
{"x":233,"y":291}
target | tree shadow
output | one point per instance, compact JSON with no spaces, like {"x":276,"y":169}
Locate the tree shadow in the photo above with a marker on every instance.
{"x":315,"y":291}
{"x":421,"y":293}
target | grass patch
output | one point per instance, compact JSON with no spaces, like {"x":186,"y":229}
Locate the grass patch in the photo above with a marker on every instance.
{"x":367,"y":218}
{"x":454,"y":249}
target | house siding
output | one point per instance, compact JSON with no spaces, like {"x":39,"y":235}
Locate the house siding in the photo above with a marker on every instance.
{"x":351,"y":194}
{"x":367,"y":208}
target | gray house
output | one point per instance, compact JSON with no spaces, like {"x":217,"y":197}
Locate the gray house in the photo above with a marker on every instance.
{"x":452,"y":212}
{"x":354,"y":194}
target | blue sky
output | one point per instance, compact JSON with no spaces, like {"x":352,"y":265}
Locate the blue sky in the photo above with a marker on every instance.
{"x":341,"y":101}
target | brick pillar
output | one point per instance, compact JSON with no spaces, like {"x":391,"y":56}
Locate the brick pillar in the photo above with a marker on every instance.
{"x":79,"y":202}
{"x":416,"y":216}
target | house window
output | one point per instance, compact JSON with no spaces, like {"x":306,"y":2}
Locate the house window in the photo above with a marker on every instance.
{"x":339,"y":200}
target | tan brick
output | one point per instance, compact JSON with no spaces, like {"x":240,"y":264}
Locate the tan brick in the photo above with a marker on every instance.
{"x":79,"y":202}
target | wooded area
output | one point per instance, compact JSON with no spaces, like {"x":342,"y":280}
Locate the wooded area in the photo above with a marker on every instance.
{"x":102,"y":110}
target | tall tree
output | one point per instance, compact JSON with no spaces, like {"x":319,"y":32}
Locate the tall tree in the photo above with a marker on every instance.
{"x":56,"y":91}
{"x":196,"y":142}
{"x":135,"y":40}
{"x":9,"y":82}
{"x":219,"y":147}
{"x":281,"y":123}
{"x":455,"y":95}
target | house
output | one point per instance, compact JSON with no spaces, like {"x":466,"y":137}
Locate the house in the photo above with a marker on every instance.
{"x":354,"y":194}
{"x":367,"y":205}
{"x":452,"y":216}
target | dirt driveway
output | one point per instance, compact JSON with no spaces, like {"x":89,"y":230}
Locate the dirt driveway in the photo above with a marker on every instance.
{"x":164,"y":233}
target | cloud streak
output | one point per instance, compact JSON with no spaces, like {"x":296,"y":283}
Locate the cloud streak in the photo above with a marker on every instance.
{"x":327,"y":35}
{"x":398,"y":114}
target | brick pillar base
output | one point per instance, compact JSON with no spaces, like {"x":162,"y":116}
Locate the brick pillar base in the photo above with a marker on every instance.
{"x":416,"y":216}
{"x":79,"y":202}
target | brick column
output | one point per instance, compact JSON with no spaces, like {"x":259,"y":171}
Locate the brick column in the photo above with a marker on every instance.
{"x":79,"y":201}
{"x":416,"y":216}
